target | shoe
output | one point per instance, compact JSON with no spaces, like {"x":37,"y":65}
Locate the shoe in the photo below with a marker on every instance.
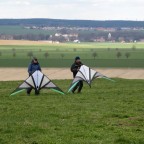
{"x":73,"y":92}
{"x":79,"y":92}
{"x":37,"y":93}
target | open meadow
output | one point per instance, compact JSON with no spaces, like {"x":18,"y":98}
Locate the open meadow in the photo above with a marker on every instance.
{"x":107,"y":113}
{"x":19,"y":53}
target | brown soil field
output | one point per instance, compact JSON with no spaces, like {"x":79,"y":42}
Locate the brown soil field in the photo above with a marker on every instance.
{"x":13,"y":74}
{"x":24,"y":42}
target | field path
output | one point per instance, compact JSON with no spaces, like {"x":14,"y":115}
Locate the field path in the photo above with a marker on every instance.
{"x":13,"y":74}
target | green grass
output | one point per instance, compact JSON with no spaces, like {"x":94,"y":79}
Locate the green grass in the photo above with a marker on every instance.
{"x":87,"y":45}
{"x":106,"y":54}
{"x":107,"y":113}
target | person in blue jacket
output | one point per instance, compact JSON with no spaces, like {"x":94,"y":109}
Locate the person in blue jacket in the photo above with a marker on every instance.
{"x":33,"y":66}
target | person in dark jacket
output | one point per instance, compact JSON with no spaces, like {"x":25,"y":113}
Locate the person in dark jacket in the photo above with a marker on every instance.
{"x":75,"y":68}
{"x":33,"y":66}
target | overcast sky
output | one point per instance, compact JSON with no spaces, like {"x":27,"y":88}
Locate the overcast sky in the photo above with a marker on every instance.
{"x":73,"y":9}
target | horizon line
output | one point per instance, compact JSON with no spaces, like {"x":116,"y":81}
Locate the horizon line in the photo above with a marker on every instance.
{"x":74,"y":19}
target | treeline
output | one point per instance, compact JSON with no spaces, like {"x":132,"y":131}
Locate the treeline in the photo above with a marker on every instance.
{"x":32,"y":37}
{"x":72,"y":23}
{"x":118,"y":36}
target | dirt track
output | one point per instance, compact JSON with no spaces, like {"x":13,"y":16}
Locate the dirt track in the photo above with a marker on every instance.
{"x":12,"y":74}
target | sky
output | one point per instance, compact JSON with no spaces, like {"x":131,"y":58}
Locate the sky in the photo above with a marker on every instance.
{"x":73,"y":9}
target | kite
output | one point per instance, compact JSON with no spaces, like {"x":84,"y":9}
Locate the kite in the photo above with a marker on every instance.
{"x":88,"y":75}
{"x":37,"y":81}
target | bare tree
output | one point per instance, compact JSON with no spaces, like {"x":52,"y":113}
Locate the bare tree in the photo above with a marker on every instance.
{"x":62,"y":55}
{"x":14,"y":54}
{"x":118,"y":54}
{"x":127,"y":55}
{"x":94,"y":55}
{"x":30,"y":54}
{"x":46,"y":54}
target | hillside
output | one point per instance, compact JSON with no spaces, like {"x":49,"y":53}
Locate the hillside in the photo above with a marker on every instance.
{"x":57,"y":30}
{"x":72,"y":23}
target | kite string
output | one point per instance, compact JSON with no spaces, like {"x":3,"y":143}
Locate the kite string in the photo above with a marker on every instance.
{"x":57,"y":71}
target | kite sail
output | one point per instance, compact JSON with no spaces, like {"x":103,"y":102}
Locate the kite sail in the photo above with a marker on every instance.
{"x":37,"y":81}
{"x":88,"y":75}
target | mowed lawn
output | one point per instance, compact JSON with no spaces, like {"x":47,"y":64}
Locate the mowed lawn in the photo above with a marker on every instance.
{"x":107,"y":113}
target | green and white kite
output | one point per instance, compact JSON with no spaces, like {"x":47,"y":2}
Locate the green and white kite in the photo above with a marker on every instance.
{"x":88,"y":75}
{"x":37,"y":81}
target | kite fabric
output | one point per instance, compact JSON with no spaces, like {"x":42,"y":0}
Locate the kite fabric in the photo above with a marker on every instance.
{"x":88,"y":75}
{"x":37,"y":81}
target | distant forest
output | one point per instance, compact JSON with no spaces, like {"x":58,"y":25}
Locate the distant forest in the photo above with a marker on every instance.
{"x":72,"y":23}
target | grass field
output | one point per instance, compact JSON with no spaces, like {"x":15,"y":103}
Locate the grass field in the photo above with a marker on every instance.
{"x":72,"y":45}
{"x":108,"y":113}
{"x":16,"y":54}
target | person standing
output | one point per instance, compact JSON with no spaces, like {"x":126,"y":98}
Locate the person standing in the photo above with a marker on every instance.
{"x":33,"y":66}
{"x":74,"y":69}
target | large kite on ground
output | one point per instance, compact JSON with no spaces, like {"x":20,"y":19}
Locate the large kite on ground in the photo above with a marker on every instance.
{"x":88,"y":75}
{"x":37,"y":81}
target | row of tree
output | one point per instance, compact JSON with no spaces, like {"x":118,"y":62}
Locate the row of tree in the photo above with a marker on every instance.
{"x":31,"y":37}
{"x":118,"y":36}
{"x":118,"y":54}
{"x":46,"y":54}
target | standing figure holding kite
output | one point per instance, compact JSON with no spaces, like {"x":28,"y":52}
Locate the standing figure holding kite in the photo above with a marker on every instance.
{"x":37,"y":81}
{"x":33,"y":66}
{"x":87,"y":75}
{"x":75,"y":68}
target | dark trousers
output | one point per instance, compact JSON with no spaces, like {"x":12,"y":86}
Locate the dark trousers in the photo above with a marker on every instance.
{"x":79,"y":86}
{"x":30,"y":89}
